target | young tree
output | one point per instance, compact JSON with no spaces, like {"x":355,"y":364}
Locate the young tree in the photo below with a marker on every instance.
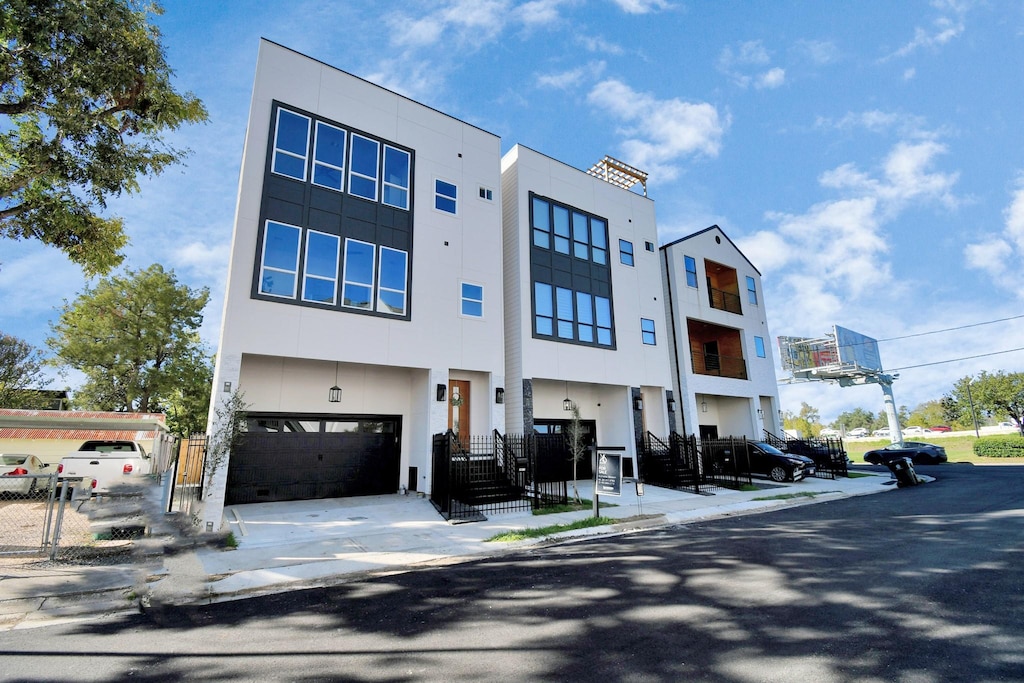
{"x":807,"y":422}
{"x":577,"y":447}
{"x":135,"y":339}
{"x":21,"y":369}
{"x":927,"y":414}
{"x":85,"y":95}
{"x":852,"y":419}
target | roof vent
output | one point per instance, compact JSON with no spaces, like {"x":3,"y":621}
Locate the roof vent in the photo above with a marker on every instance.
{"x":618,"y":173}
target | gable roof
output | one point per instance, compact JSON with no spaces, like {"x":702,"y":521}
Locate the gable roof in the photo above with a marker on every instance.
{"x":722,"y":232}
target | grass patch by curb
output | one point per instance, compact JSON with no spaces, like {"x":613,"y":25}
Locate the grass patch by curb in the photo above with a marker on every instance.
{"x":858,"y":475}
{"x":801,"y":494}
{"x":541,"y":532}
{"x":573,"y":506}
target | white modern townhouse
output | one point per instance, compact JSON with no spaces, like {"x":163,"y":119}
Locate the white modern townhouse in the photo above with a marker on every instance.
{"x":364,"y":290}
{"x":723,"y":368}
{"x":584,"y":317}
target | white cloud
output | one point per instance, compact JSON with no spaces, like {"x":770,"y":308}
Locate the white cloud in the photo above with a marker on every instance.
{"x":660,"y":132}
{"x":1000,"y":256}
{"x":569,"y":79}
{"x":598,"y":44}
{"x":642,"y":6}
{"x":947,"y":27}
{"x":467,"y":23}
{"x":773,"y":78}
{"x":818,"y":51}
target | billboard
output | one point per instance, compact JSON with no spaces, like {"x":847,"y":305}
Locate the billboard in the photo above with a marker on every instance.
{"x":858,"y":350}
{"x":844,"y":353}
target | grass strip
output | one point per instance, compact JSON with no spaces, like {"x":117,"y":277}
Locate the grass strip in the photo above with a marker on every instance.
{"x":541,"y":532}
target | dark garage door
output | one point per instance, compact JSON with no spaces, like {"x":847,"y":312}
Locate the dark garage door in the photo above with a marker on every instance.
{"x":285,"y":459}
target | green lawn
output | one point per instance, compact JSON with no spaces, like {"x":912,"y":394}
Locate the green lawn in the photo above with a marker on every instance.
{"x":958,"y":448}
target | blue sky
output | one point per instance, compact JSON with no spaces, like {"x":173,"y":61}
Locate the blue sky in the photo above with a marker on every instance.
{"x":867,"y":157}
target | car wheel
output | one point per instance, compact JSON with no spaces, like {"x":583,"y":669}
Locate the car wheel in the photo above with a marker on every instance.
{"x":778,"y":473}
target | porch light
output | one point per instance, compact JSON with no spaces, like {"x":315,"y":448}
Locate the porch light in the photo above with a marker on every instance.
{"x":567,"y":404}
{"x":703,"y":406}
{"x":442,"y":391}
{"x":671,"y":405}
{"x":499,"y":395}
{"x":334,"y":393}
{"x":760,"y":413}
{"x":638,"y":404}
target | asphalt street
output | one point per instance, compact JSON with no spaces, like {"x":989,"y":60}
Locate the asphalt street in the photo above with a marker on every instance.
{"x":920,"y":584}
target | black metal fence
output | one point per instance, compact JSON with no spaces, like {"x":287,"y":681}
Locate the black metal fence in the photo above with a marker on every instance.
{"x":828,"y":454}
{"x":673,"y":463}
{"x":498,"y":473}
{"x":724,"y":463}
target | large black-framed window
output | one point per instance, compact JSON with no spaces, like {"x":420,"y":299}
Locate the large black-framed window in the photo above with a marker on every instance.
{"x":336,"y":218}
{"x":570,"y":277}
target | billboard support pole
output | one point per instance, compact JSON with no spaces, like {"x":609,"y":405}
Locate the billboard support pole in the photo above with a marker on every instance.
{"x":895,"y":434}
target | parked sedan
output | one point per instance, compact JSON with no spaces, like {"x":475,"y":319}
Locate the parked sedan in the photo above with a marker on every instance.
{"x":15,"y":464}
{"x":769,"y":461}
{"x":917,"y":430}
{"x":920,"y":453}
{"x":858,"y":432}
{"x":942,"y":428}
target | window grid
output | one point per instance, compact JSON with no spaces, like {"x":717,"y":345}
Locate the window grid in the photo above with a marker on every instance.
{"x":392,"y":278}
{"x":280,"y":260}
{"x":363,"y":167}
{"x":751,"y":290}
{"x":357,"y":282}
{"x":320,"y":275}
{"x":396,"y":178}
{"x":569,"y":232}
{"x":588,"y":322}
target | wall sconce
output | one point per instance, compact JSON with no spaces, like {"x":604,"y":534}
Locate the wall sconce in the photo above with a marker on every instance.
{"x":781,"y":418}
{"x":638,"y":404}
{"x":442,"y":391}
{"x":334,"y":393}
{"x":567,"y":404}
{"x":499,"y":395}
{"x":671,"y":405}
{"x":703,"y":406}
{"x":760,"y":413}
{"x":227,"y":387}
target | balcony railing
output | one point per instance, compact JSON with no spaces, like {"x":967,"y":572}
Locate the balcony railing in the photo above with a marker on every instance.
{"x":724,"y":301}
{"x":720,"y":366}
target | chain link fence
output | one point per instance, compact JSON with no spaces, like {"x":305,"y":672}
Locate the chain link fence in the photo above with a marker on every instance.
{"x":43,"y":518}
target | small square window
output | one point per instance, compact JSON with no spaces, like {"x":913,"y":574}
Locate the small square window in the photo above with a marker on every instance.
{"x":472,"y":300}
{"x":649,"y":246}
{"x":486,"y":194}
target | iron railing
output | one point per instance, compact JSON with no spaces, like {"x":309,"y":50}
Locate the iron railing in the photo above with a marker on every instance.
{"x":474,"y":475}
{"x":724,"y":301}
{"x":718,"y":365}
{"x":674,"y":464}
{"x":724,"y":463}
{"x":828,"y":454}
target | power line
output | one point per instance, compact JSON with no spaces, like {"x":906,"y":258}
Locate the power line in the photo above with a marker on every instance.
{"x":953,"y":329}
{"x":955,"y":360}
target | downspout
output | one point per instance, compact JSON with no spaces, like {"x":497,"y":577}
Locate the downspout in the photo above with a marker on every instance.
{"x":675,"y":340}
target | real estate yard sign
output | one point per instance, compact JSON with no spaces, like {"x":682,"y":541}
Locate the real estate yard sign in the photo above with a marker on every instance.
{"x":608,"y":480}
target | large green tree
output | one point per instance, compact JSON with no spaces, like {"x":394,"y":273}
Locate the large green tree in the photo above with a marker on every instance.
{"x":21,"y":371}
{"x":807,"y":421}
{"x":85,"y":96}
{"x":852,"y":419}
{"x":135,"y":338}
{"x":999,"y":395}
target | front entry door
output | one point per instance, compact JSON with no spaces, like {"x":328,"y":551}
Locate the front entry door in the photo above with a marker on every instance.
{"x":458,"y":410}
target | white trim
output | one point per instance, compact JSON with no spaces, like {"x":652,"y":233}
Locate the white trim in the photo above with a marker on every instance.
{"x":263,"y":261}
{"x":306,"y":274}
{"x":304,"y":157}
{"x":446,"y":197}
{"x":376,"y":168}
{"x":344,"y":154}
{"x":345,"y":281}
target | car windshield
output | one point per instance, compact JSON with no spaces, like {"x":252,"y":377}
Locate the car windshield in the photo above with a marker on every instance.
{"x":767,"y":448}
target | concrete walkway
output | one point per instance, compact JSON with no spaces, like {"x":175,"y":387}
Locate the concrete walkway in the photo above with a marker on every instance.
{"x":302,"y":544}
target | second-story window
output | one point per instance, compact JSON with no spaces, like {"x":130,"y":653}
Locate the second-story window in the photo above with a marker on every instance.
{"x":647,"y":332}
{"x":751,"y":290}
{"x":291,"y":144}
{"x":626,"y":252}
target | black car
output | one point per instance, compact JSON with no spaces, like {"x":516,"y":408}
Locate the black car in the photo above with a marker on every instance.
{"x":769,"y":461}
{"x":920,"y":453}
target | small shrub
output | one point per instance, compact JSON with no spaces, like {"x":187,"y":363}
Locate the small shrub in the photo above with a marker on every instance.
{"x":1000,"y":446}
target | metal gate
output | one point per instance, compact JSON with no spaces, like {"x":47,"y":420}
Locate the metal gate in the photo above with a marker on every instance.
{"x":40,"y":519}
{"x":189,"y":476}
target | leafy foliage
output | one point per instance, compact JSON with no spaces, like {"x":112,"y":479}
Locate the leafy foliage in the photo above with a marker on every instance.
{"x":999,"y":395}
{"x":999,"y":447}
{"x":135,"y":339}
{"x":85,"y":95}
{"x":21,"y":369}
{"x":807,"y":421}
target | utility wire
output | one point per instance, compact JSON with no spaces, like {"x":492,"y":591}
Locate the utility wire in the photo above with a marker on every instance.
{"x":955,"y":360}
{"x":953,"y":329}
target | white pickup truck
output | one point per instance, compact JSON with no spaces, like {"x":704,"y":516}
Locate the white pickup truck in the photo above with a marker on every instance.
{"x":103,"y":464}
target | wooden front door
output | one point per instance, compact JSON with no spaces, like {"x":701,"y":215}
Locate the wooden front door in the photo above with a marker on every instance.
{"x":458,"y":409}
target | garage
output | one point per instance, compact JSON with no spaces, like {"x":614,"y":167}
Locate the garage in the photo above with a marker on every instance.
{"x":304,"y":457}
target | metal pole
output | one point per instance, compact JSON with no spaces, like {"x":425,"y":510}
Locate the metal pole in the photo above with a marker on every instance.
{"x":974,"y":414}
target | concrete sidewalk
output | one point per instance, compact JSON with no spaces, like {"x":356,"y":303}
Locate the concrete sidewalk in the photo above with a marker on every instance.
{"x":301,"y":544}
